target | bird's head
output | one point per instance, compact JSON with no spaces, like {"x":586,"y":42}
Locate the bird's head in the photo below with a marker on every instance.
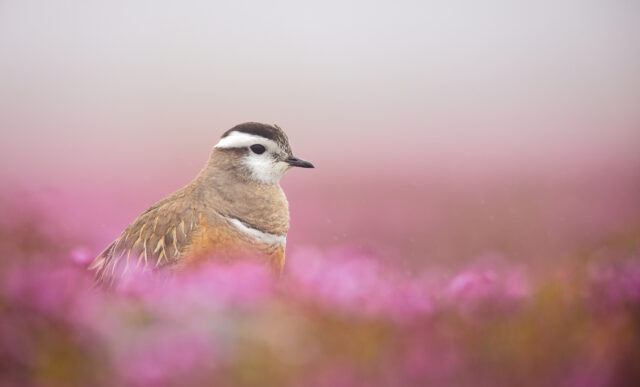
{"x":259,"y":151}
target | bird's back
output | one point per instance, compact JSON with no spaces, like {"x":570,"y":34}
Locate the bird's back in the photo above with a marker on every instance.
{"x":158,"y":237}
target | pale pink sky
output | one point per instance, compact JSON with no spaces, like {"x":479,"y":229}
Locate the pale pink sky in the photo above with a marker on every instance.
{"x":95,"y":90}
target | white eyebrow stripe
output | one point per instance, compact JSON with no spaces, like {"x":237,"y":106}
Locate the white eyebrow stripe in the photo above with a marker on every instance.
{"x":241,"y":139}
{"x":260,"y":236}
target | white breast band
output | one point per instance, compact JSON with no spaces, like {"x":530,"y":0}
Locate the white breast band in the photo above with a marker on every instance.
{"x":260,"y":236}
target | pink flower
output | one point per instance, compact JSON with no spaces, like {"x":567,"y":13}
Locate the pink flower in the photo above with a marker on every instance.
{"x":81,"y":255}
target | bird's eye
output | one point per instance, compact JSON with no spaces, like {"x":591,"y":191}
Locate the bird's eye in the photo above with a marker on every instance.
{"x":257,"y":148}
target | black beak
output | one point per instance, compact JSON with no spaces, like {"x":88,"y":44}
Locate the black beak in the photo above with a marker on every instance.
{"x":296,"y":162}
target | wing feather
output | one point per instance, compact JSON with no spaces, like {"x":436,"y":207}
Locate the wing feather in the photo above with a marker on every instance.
{"x":158,"y":237}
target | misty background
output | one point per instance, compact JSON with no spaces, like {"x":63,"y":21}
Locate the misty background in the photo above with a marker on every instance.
{"x":430,"y":112}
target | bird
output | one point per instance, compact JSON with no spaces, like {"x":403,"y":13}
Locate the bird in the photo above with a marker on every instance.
{"x":233,"y":208}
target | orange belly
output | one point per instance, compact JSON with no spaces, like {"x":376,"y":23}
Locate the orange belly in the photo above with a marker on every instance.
{"x":224,"y":244}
